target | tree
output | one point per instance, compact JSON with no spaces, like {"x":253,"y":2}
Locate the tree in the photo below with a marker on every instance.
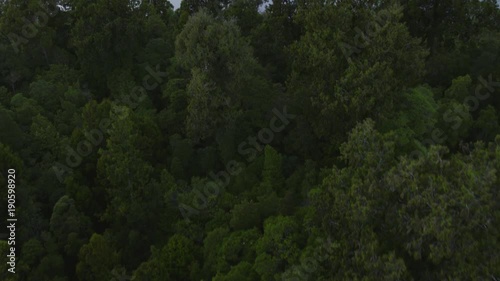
{"x":277,"y":246}
{"x":243,"y":271}
{"x":272,"y":37}
{"x":11,"y":133}
{"x":487,"y":124}
{"x":69,"y":226}
{"x":455,"y":33}
{"x":402,"y":217}
{"x":44,"y":132}
{"x":272,"y":175}
{"x":173,"y":261}
{"x":213,"y":6}
{"x":24,"y":109}
{"x":415,"y":123}
{"x":246,"y":13}
{"x":224,"y":75}
{"x":97,"y":259}
{"x":31,"y":33}
{"x":245,"y":216}
{"x":119,"y":165}
{"x":357,"y":66}
{"x":100,"y":31}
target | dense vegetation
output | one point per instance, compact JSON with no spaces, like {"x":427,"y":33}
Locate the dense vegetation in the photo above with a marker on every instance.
{"x":310,"y":140}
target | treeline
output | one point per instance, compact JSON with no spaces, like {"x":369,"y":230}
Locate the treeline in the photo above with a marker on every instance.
{"x":241,"y":140}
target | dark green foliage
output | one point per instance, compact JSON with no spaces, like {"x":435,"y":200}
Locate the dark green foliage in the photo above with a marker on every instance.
{"x":241,"y":140}
{"x":97,"y":259}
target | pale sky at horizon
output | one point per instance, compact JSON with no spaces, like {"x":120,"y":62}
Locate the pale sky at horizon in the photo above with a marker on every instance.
{"x":176,"y":3}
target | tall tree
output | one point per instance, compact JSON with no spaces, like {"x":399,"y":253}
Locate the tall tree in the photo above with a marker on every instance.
{"x":224,"y":75}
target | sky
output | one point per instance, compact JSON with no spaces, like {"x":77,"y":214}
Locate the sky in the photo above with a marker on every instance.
{"x":176,"y":3}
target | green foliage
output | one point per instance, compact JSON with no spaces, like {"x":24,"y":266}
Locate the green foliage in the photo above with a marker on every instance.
{"x":280,"y":239}
{"x":409,"y":215}
{"x":224,"y":74}
{"x":388,"y":169}
{"x":10,"y":133}
{"x":272,"y":173}
{"x":338,"y":70}
{"x":243,"y":271}
{"x":96,"y":259}
{"x":487,"y":123}
{"x":24,"y":109}
{"x":245,"y":216}
{"x":174,"y":261}
{"x":416,"y":120}
{"x":69,"y":226}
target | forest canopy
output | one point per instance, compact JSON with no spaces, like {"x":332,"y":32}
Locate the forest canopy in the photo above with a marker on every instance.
{"x":234,"y":140}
